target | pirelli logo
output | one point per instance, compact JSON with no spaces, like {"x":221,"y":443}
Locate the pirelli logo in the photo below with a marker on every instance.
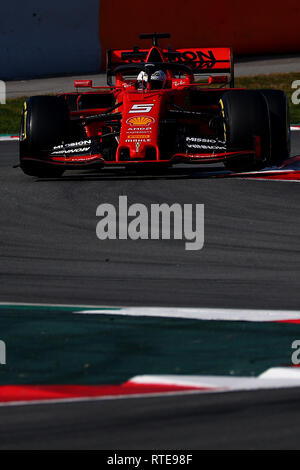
{"x":139,"y":136}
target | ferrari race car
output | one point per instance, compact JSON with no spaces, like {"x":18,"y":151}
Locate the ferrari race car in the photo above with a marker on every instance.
{"x":161,"y":107}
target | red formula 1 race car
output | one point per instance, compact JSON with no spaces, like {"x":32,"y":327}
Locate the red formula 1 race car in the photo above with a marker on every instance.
{"x":161,"y":107}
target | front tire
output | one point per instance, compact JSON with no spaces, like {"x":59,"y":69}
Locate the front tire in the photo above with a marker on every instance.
{"x":40,"y":170}
{"x":44,"y":124}
{"x":246,"y":117}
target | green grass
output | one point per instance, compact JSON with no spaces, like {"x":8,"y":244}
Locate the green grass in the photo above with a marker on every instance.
{"x":10,"y":113}
{"x":10,"y":116}
{"x":280,"y":81}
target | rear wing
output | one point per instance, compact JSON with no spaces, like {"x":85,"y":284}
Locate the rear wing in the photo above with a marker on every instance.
{"x":203,"y":61}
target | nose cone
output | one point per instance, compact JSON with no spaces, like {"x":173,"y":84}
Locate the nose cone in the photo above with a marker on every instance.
{"x":139,"y":135}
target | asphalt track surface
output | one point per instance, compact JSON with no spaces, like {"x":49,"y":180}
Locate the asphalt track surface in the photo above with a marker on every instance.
{"x":247,"y":420}
{"x":50,"y":252}
{"x":251,"y":258}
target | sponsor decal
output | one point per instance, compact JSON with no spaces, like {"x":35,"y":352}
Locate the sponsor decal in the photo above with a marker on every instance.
{"x":139,"y":136}
{"x":181,"y":82}
{"x":204,"y":143}
{"x":83,"y":146}
{"x":72,"y":144}
{"x":203,"y":140}
{"x":128,"y":141}
{"x":137,"y":140}
{"x":138,"y":130}
{"x":195,"y":59}
{"x":140,"y":121}
{"x":208,"y":147}
{"x":71,"y":151}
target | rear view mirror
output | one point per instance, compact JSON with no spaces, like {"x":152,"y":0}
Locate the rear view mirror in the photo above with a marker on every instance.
{"x":217,"y":79}
{"x":83,"y":83}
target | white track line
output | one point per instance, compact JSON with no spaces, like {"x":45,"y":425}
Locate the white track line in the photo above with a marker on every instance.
{"x":226,"y":314}
{"x":188,"y":313}
{"x":277,"y":377}
{"x":8,"y":138}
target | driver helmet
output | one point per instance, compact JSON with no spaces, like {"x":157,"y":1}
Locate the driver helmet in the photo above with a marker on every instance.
{"x":157,"y":80}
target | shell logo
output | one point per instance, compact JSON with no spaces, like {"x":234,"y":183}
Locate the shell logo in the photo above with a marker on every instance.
{"x":140,"y":121}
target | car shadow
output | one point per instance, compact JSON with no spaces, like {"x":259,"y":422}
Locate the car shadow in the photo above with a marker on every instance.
{"x":119,"y":174}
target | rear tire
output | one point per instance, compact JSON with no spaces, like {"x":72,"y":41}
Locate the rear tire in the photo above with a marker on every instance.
{"x":44,"y":124}
{"x":280,"y":125}
{"x":246,"y":116}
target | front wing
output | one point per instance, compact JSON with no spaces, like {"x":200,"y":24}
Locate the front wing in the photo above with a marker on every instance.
{"x":96,"y":159}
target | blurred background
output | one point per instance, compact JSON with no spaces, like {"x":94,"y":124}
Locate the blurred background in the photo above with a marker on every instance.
{"x":71,"y":36}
